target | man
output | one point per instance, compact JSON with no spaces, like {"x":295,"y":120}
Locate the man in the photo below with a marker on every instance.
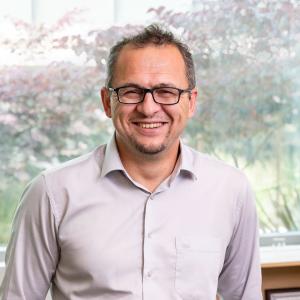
{"x":143,"y":217}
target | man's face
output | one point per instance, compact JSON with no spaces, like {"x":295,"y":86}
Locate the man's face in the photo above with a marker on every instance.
{"x":149,"y":128}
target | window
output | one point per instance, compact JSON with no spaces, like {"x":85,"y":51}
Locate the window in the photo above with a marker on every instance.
{"x":247,"y":56}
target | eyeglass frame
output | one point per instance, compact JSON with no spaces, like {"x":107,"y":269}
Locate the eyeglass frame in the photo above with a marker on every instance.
{"x":145,"y":91}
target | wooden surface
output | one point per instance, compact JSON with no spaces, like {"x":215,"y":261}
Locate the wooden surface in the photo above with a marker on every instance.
{"x":280,"y":267}
{"x":280,"y":276}
{"x":281,"y":264}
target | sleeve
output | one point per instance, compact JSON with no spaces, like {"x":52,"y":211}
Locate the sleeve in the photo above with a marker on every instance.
{"x":240,"y":278}
{"x":32,"y":252}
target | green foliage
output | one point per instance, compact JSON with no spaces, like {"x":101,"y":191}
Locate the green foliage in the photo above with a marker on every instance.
{"x":247,"y":56}
{"x":9,"y":194}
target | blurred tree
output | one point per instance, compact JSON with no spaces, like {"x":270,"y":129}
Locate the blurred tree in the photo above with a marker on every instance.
{"x":247,"y":54}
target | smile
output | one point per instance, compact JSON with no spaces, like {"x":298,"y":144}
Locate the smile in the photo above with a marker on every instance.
{"x":150,"y":125}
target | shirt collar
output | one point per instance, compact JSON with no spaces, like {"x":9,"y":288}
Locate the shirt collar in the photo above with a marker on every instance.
{"x":112,"y":161}
{"x":186,"y":161}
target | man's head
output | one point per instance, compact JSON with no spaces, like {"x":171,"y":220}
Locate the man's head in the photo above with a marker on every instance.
{"x":152,"y":35}
{"x":150,"y":60}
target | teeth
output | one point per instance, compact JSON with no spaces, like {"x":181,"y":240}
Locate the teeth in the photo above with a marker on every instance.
{"x":150,"y":125}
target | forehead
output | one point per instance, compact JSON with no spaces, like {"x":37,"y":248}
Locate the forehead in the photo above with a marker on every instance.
{"x":152,"y":60}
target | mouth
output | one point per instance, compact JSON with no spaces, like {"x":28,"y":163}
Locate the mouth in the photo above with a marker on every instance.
{"x":149,"y":125}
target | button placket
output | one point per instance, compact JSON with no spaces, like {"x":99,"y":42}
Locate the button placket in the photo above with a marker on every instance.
{"x":148,"y":251}
{"x":148,"y":232}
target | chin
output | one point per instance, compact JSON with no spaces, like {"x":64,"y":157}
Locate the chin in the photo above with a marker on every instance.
{"x":150,"y":149}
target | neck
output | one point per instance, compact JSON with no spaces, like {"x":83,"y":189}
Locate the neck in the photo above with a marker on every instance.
{"x":150,"y":170}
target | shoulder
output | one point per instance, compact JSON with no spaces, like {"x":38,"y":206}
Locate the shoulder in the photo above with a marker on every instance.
{"x":210,"y":168}
{"x":64,"y":184}
{"x":85,"y":167}
{"x":228,"y":183}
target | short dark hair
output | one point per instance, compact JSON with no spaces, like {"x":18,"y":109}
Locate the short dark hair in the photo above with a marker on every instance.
{"x":156,"y":35}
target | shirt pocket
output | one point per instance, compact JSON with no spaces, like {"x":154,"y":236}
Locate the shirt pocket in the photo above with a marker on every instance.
{"x":197,"y":267}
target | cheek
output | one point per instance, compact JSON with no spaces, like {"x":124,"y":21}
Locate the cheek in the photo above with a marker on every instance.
{"x":186,"y":110}
{"x":179,"y":113}
{"x":120,"y":114}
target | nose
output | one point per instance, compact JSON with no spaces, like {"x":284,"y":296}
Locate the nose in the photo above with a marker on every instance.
{"x":148,"y":107}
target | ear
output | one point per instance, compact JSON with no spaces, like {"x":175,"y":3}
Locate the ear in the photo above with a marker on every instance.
{"x":105,"y":97}
{"x":192,"y":102}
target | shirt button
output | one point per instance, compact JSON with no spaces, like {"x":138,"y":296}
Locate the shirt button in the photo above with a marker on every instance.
{"x":149,"y":274}
{"x":149,"y":235}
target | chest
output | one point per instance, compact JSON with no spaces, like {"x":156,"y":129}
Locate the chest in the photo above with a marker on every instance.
{"x":118,"y":239}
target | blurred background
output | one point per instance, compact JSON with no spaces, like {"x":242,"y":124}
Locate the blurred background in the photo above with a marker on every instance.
{"x":247,"y":52}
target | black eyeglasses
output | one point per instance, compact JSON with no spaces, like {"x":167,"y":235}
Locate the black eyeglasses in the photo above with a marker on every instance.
{"x":161,"y":95}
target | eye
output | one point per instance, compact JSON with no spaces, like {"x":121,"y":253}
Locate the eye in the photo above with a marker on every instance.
{"x":130,"y":92}
{"x":166,"y":92}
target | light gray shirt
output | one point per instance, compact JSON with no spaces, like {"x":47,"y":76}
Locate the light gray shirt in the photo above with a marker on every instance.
{"x":95,"y":233}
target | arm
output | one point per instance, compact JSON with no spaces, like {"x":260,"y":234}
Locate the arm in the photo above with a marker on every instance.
{"x":32,"y":253}
{"x":240,"y":278}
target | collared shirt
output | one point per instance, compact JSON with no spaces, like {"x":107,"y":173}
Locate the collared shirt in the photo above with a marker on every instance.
{"x":95,"y":233}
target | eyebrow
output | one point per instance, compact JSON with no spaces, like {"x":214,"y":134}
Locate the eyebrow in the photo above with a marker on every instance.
{"x":163,"y":84}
